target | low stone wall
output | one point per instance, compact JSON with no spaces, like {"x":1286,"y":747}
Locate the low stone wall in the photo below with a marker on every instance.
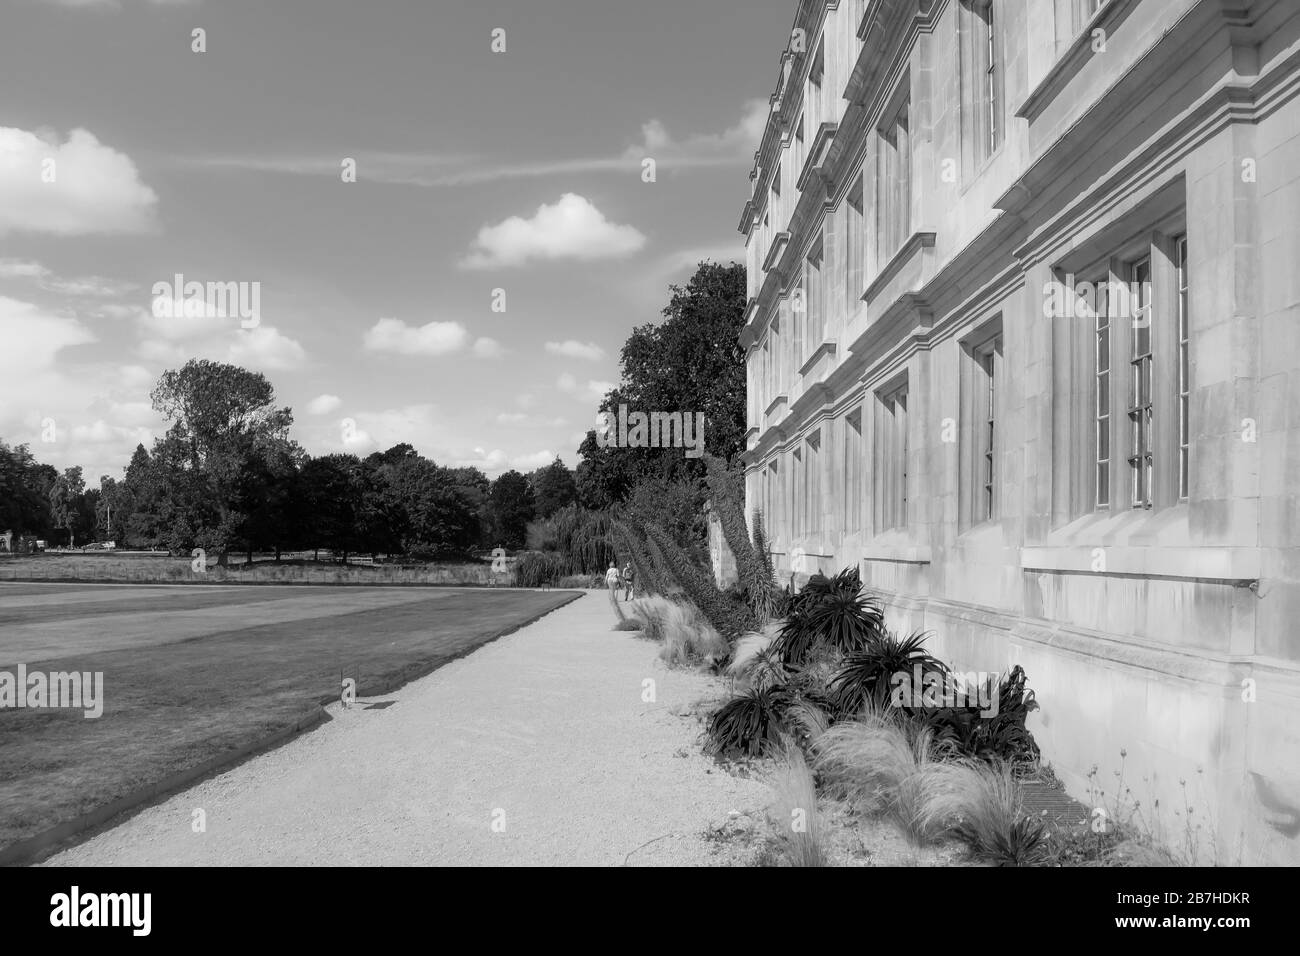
{"x":1198,"y":738}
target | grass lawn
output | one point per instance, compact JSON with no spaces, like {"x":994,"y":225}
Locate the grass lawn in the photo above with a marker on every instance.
{"x":194,"y":673}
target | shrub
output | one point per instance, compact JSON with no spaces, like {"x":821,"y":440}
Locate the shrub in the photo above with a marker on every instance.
{"x":865,"y":677}
{"x":748,"y":724}
{"x":1002,"y":737}
{"x":576,"y":581}
{"x":983,"y":806}
{"x":830,"y":611}
{"x":537,"y":569}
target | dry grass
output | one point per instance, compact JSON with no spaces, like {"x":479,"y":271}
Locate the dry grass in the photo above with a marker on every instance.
{"x":880,"y":768}
{"x":796,"y":821}
{"x":753,"y":662}
{"x":687,"y":637}
{"x":983,"y":806}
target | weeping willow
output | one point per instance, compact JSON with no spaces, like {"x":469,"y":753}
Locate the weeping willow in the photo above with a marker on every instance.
{"x":584,"y":539}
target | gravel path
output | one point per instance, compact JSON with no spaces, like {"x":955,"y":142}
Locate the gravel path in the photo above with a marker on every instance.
{"x":537,"y":749}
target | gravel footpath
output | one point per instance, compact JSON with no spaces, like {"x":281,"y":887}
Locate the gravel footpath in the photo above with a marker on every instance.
{"x":537,"y":749}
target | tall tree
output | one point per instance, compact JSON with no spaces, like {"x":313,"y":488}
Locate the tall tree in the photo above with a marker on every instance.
{"x":553,"y":488}
{"x":65,"y":502}
{"x":690,"y":363}
{"x":510,"y":507}
{"x":224,"y":422}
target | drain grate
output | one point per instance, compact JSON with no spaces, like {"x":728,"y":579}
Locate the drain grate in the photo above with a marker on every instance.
{"x":1056,"y":806}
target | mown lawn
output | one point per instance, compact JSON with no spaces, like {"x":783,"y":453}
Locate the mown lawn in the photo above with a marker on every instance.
{"x":191,"y":674}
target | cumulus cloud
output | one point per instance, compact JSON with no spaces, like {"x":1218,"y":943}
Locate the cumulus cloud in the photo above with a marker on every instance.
{"x":98,"y":410}
{"x":85,"y":287}
{"x":488,"y":348}
{"x":592,"y":390}
{"x":33,"y":337}
{"x":177,"y":330}
{"x":574,"y":349}
{"x":435,"y":338}
{"x":73,"y":188}
{"x":571,"y":228}
{"x":324,"y":404}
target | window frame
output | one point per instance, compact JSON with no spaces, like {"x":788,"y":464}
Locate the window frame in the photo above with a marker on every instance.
{"x":891,"y":448}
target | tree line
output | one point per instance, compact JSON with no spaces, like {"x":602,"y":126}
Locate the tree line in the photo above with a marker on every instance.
{"x":227,"y":476}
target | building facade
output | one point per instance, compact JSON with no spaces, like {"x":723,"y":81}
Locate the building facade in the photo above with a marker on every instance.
{"x":1024,"y":286}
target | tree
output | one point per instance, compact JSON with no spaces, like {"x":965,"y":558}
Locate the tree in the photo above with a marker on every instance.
{"x":24,"y":492}
{"x":331,"y":495}
{"x":690,"y":363}
{"x":65,"y":495}
{"x":225,"y":424}
{"x":510,"y":508}
{"x":553,"y":488}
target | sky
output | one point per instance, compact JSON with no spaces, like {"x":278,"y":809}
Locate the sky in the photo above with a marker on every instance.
{"x":467,"y":290}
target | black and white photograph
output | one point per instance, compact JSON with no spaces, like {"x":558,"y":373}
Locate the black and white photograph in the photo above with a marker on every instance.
{"x":699,"y":433}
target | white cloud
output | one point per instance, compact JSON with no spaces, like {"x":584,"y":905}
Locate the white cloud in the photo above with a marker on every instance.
{"x":573,"y":349}
{"x":22,"y":269}
{"x":532,"y":421}
{"x":525,"y":400}
{"x":572,"y":228}
{"x":95,"y":188}
{"x":33,"y":337}
{"x":196,"y":330}
{"x":734,"y":144}
{"x":324,"y":404}
{"x":99,"y":409}
{"x":488,"y":348}
{"x":435,"y":338}
{"x":593,"y":390}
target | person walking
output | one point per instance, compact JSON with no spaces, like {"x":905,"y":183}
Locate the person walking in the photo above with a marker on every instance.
{"x":629,"y":576}
{"x":611,"y":578}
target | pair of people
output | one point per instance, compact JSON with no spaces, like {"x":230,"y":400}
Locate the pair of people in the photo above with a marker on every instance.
{"x":613,"y":578}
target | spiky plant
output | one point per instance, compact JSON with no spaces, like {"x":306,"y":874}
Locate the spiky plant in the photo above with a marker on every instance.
{"x":630,"y":541}
{"x":867,"y":676}
{"x":728,"y":499}
{"x":761,"y":545}
{"x":700,"y":587}
{"x":748,"y":724}
{"x":832,"y":612}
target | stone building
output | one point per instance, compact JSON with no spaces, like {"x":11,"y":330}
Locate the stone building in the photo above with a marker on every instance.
{"x":1024,"y":288}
